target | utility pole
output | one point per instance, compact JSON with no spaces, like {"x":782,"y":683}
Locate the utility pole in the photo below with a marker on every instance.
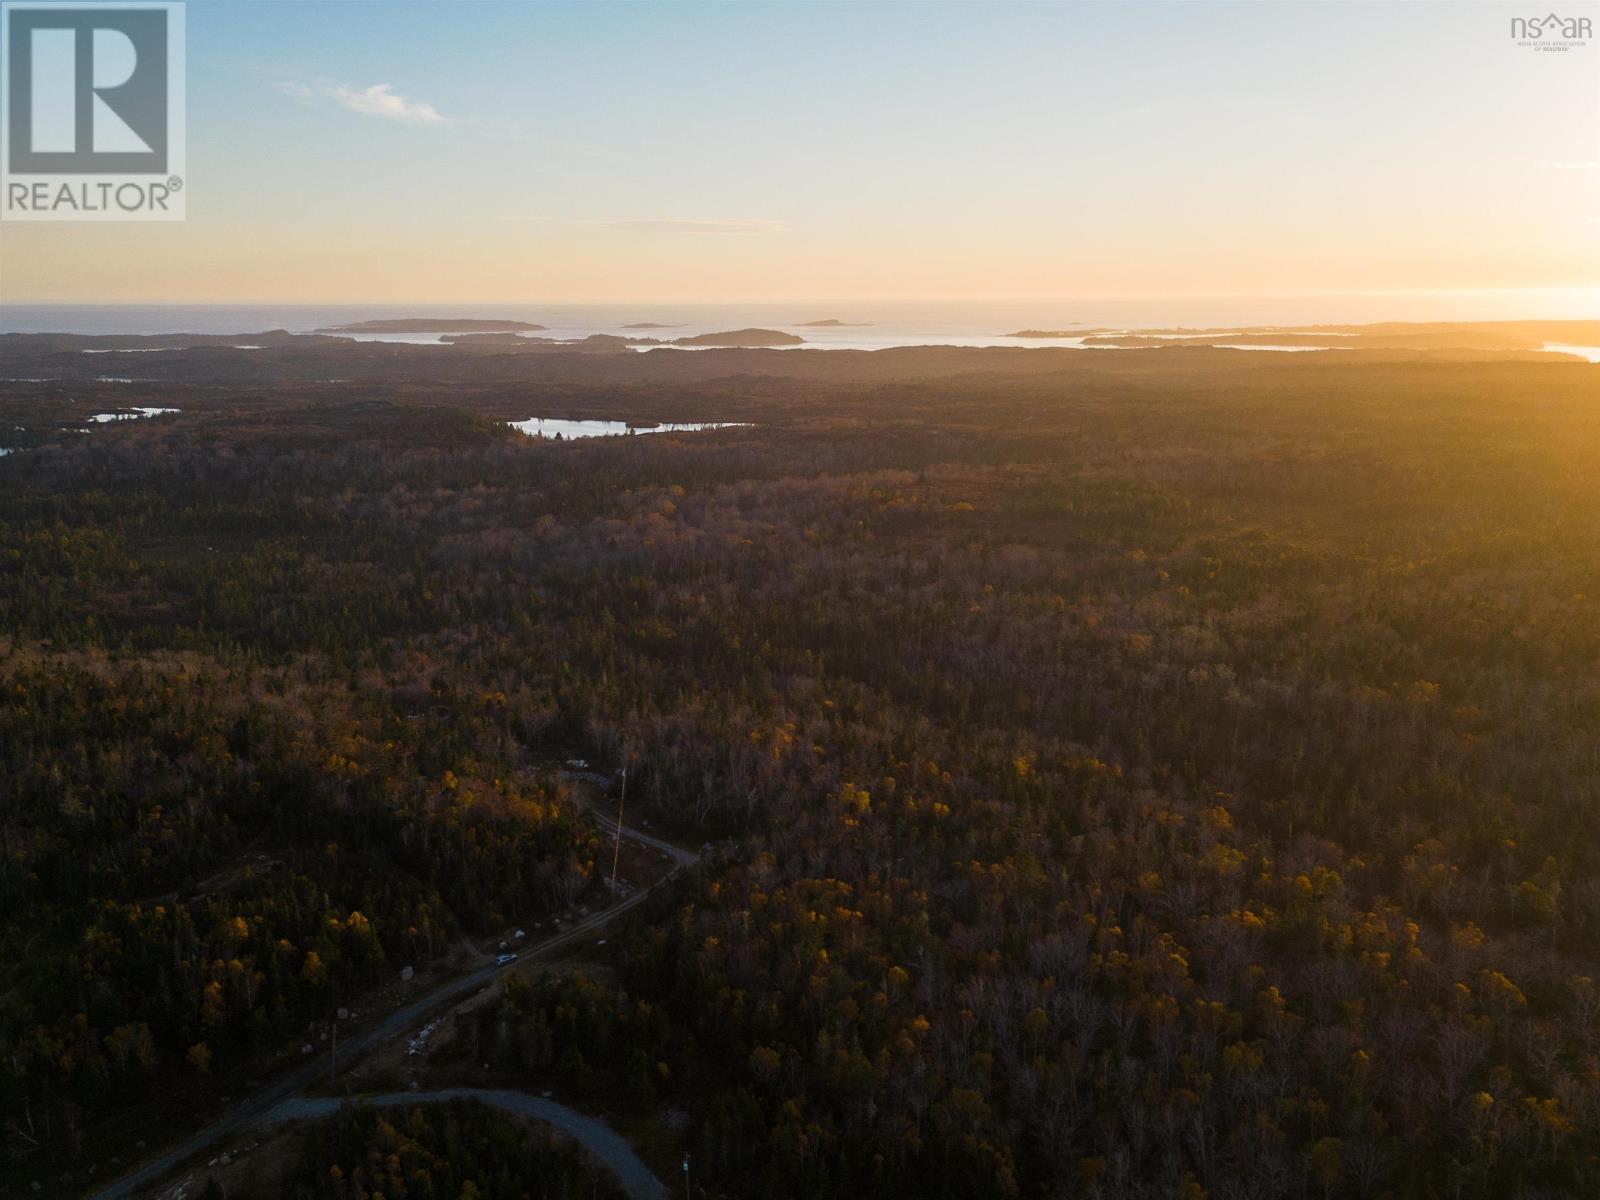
{"x":616,"y":852}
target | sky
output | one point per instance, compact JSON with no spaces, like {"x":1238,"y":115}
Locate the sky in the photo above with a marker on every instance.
{"x":590,"y":152}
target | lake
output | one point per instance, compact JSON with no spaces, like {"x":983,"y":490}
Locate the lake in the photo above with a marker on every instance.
{"x":547,"y":427}
{"x":131,"y":414}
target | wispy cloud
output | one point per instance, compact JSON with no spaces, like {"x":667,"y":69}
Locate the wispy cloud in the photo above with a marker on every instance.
{"x":703,"y":225}
{"x":379,"y":100}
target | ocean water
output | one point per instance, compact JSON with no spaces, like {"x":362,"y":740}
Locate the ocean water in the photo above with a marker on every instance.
{"x":872,"y":325}
{"x":1592,"y":353}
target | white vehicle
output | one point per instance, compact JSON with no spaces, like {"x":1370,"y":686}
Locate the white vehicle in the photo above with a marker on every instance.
{"x":502,"y":959}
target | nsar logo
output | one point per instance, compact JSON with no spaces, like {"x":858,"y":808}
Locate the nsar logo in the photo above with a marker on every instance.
{"x":1551,"y":32}
{"x":92,"y":112}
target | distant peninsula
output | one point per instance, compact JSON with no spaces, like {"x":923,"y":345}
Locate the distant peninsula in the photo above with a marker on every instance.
{"x":433,"y":325}
{"x":648,"y":325}
{"x":1056,"y":333}
{"x":611,"y":342}
{"x":1479,"y":336}
{"x":497,"y":338}
{"x":833,"y":323}
{"x":741,"y":337}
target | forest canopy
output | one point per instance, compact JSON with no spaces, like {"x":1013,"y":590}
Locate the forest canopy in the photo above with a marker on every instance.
{"x":1163,"y":777}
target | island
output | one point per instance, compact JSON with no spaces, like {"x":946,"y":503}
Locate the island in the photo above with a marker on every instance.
{"x":741,"y":337}
{"x":649,"y":325}
{"x":433,"y":325}
{"x":833,"y":323}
